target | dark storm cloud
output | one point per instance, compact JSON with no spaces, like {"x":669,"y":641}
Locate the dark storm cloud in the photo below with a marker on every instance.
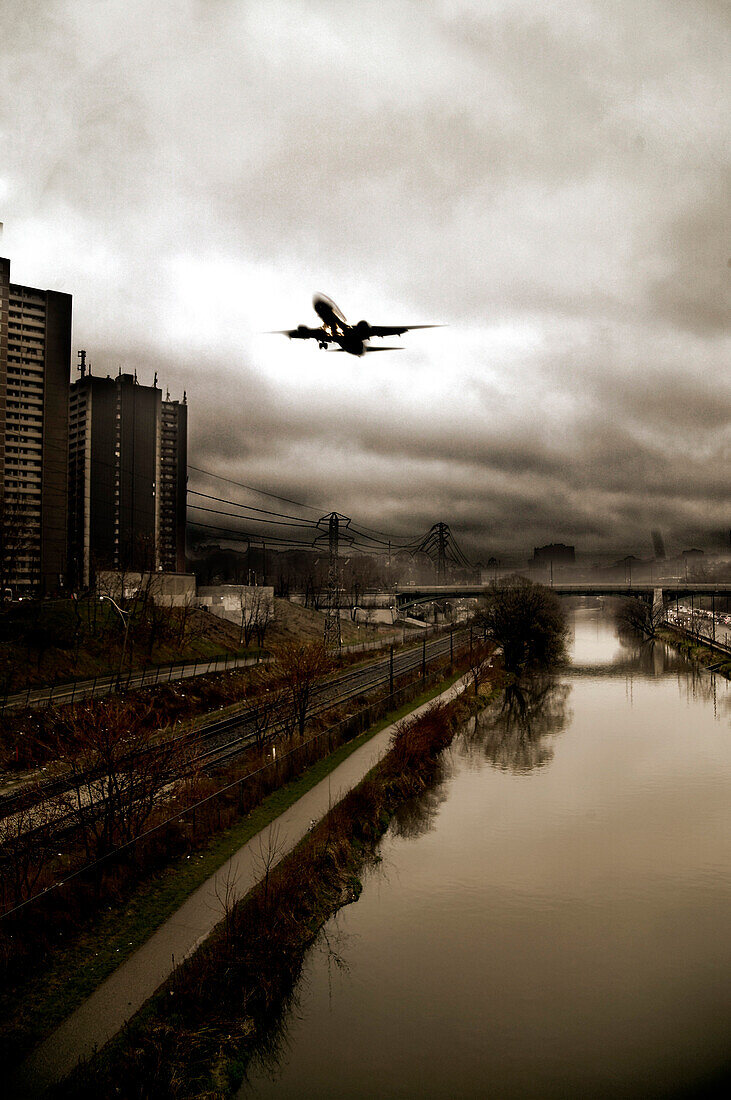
{"x":549,"y":181}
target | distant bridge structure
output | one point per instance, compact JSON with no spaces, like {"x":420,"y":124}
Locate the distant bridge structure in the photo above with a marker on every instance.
{"x":409,"y":595}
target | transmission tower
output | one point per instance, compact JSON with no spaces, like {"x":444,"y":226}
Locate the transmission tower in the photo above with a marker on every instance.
{"x":439,"y":545}
{"x":436,"y":544}
{"x":332,"y":524}
{"x":442,"y":534}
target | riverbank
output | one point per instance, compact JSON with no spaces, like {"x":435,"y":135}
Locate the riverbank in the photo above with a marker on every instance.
{"x":32,"y":1010}
{"x":69,"y":889}
{"x":713,"y":659}
{"x":552,"y":922}
{"x":197,"y":1034}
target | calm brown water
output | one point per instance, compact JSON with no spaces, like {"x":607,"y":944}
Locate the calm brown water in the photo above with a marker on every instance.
{"x":553,"y":920}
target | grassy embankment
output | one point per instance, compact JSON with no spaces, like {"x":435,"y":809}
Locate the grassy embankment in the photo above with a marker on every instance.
{"x":79,"y":958}
{"x":697,"y":651}
{"x":196,"y":1036}
{"x":54,"y":641}
{"x":27,"y":735}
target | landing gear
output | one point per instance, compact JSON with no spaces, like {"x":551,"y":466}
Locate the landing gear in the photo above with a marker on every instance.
{"x":322,"y":344}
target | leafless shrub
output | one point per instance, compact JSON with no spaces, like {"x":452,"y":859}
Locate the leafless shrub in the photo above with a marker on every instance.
{"x":300,"y":665}
{"x":640,"y":617}
{"x":118,"y":769}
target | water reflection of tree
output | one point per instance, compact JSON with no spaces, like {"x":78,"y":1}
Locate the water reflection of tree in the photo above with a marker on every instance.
{"x":512,"y":734}
{"x":655,"y":658}
{"x":697,"y":683}
{"x":650,"y":657}
{"x":417,"y":816}
{"x":412,"y":819}
{"x":274,"y":1041}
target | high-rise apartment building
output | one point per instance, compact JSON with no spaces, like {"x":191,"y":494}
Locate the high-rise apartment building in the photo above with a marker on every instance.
{"x":173,"y":484}
{"x":127,"y":477}
{"x":35,"y":364}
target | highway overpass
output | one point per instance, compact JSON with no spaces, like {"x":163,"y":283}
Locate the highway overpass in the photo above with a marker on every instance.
{"x":407,"y":595}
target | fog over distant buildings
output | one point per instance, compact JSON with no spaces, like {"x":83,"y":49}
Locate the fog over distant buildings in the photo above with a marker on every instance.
{"x":550,"y":182}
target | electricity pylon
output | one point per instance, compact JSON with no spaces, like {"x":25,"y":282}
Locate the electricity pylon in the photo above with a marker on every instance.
{"x":333,"y":523}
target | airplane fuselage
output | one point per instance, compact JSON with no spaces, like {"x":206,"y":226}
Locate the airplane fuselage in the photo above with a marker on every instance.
{"x":333,"y":320}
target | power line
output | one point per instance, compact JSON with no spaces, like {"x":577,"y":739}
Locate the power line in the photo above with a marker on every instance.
{"x":249,"y":507}
{"x":253,"y":489}
{"x":247,"y":536}
{"x":401,"y":541}
{"x":253,"y":519}
{"x":361,"y":529}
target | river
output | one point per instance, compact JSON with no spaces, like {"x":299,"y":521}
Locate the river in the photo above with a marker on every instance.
{"x":552,"y":919}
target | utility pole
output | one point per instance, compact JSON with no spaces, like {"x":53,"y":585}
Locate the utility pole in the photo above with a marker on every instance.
{"x":713,"y":615}
{"x":332,"y":523}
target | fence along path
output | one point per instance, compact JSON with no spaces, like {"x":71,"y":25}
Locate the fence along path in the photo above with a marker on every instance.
{"x":72,"y":690}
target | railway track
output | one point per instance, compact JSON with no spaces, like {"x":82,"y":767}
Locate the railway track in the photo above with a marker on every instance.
{"x":333,"y":693}
{"x":222,"y":739}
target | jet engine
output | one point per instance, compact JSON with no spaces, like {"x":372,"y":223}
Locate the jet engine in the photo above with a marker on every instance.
{"x":363,"y":330}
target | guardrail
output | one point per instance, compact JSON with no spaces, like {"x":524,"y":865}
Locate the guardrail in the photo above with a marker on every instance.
{"x":700,"y":630}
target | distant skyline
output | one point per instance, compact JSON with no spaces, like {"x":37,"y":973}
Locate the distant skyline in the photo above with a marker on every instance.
{"x":549,"y":182}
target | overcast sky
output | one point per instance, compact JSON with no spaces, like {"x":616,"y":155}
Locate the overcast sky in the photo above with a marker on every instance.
{"x":550,"y":181}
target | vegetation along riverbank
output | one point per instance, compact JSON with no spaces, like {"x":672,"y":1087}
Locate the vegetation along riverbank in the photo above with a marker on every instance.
{"x":712,"y":659}
{"x":198,"y":1033}
{"x":53,"y":957}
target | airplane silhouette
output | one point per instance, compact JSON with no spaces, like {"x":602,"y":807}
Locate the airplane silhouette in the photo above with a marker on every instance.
{"x":335,"y":329}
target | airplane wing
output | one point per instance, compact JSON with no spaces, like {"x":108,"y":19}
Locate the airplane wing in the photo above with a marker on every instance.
{"x":366,"y":351}
{"x":302,"y":332}
{"x":394,"y":330}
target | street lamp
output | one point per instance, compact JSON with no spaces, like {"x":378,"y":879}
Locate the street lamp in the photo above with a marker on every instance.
{"x":125,"y":617}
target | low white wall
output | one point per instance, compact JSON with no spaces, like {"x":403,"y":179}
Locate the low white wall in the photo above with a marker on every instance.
{"x":233,"y":601}
{"x":373,"y":615}
{"x":164,"y":589}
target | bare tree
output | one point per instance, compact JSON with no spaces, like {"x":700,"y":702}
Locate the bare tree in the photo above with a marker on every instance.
{"x":154,"y":612}
{"x":118,"y":768}
{"x":480,"y":662}
{"x":640,"y":617}
{"x":270,"y":850}
{"x":25,"y":851}
{"x":227,"y":895}
{"x":265,"y":614}
{"x":271,"y":715}
{"x":256,"y":614}
{"x":369,"y":618}
{"x":315,"y":583}
{"x":300,"y":666}
{"x":185,"y":616}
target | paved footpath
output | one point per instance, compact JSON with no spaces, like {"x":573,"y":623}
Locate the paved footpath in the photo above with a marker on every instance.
{"x":126,"y":990}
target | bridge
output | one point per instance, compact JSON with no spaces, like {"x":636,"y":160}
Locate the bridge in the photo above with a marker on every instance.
{"x":409,"y":595}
